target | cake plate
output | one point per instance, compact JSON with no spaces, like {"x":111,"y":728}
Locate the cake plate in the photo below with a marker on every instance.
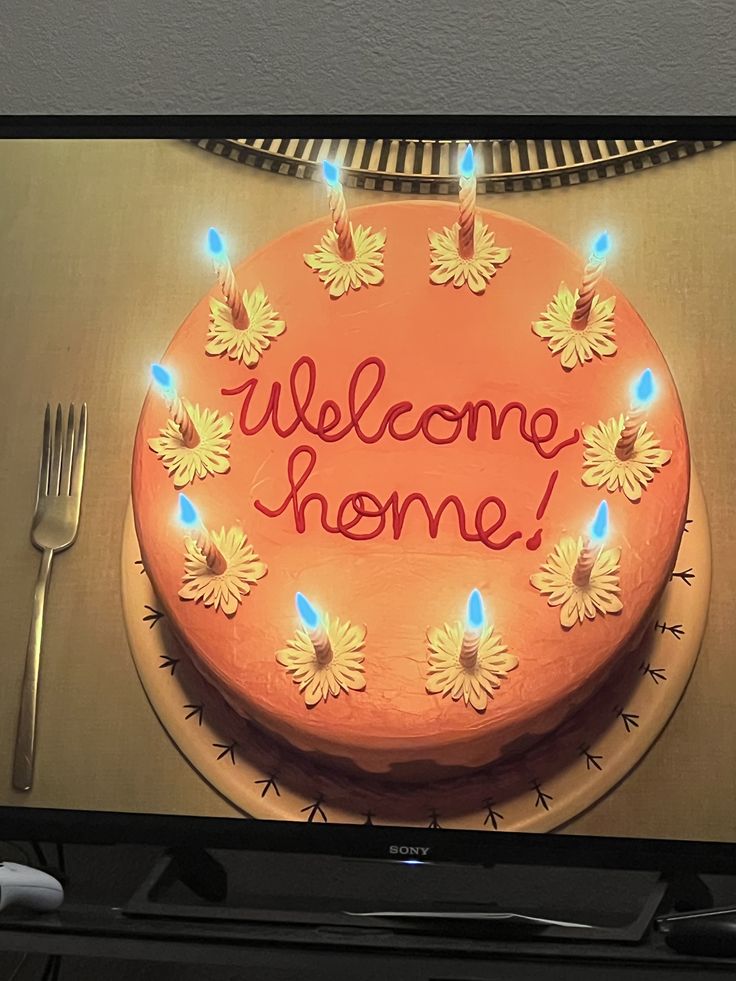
{"x":560,"y":777}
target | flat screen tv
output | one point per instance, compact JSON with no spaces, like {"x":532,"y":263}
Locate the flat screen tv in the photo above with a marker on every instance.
{"x":378,"y":491}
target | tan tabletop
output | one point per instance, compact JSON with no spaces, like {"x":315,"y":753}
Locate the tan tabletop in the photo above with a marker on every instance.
{"x":101,"y":258}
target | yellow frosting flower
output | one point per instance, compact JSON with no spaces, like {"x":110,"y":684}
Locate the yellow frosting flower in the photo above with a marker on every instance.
{"x":602,"y":468}
{"x":577,"y":346}
{"x":225,"y":590}
{"x":340,"y":275}
{"x":599,"y":595}
{"x":246,"y":345}
{"x":209,"y":456}
{"x":448,"y":265}
{"x":343,"y":673}
{"x":474,"y":684}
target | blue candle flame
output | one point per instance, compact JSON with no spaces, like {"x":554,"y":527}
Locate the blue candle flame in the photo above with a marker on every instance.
{"x":476,"y":615}
{"x":645,"y":389}
{"x":162,"y":377}
{"x":164,"y":380}
{"x":331,"y":173}
{"x":215,"y":244}
{"x":307,"y":613}
{"x":602,"y":246}
{"x":599,"y":527}
{"x":467,"y":163}
{"x":187,"y":512}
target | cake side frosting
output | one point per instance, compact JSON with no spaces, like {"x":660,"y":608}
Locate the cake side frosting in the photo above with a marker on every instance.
{"x":402,"y":563}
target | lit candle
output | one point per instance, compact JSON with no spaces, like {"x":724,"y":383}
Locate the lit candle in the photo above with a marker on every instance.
{"x":226,"y":278}
{"x":591,"y":278}
{"x":189,"y":517}
{"x":162,"y":377}
{"x":475,"y":619}
{"x":643,"y":393}
{"x":467,"y":203}
{"x":339,"y":211}
{"x":314,"y":627}
{"x":591,"y":546}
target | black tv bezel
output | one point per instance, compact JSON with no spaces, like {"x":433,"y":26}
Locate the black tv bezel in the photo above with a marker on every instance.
{"x":455,"y":126}
{"x":374,"y":842}
{"x":365,"y":841}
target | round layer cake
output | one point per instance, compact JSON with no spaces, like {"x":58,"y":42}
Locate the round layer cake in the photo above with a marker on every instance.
{"x":392,"y":449}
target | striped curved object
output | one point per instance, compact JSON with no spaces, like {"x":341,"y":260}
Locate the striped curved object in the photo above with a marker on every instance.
{"x":431,"y":166}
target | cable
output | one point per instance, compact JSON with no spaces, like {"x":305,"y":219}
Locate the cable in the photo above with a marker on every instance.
{"x":27,"y":860}
{"x":60,"y":858}
{"x":51,"y":968}
{"x":39,"y":853}
{"x":18,"y":966}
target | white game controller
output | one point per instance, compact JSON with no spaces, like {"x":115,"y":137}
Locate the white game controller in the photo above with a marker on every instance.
{"x":21,"y":885}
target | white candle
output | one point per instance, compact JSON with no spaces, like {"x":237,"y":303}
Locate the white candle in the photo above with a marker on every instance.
{"x":467,"y":203}
{"x":592,"y":546}
{"x":644,"y":392}
{"x":189,"y":517}
{"x":475,"y":619}
{"x":189,"y":434}
{"x":592,"y":275}
{"x":339,"y":211}
{"x":315,"y":629}
{"x":226,"y":279}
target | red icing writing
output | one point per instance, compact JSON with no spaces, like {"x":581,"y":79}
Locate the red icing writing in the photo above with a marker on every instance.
{"x":363,"y":506}
{"x":438,"y":424}
{"x":362,"y":516}
{"x":535,"y":541}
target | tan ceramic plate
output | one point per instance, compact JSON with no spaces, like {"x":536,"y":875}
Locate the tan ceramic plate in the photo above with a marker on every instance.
{"x":539,"y":791}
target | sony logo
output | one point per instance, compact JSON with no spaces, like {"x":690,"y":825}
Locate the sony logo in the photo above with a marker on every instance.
{"x":407,"y":850}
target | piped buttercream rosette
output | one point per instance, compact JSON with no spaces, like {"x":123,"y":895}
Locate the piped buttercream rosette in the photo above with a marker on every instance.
{"x":474,"y":683}
{"x":577,"y":347}
{"x":603,"y":468}
{"x":225,"y":590}
{"x":339,"y":274}
{"x":448,"y":265}
{"x":243,"y":344}
{"x":599,"y":595}
{"x":210,"y":454}
{"x":343,"y":672}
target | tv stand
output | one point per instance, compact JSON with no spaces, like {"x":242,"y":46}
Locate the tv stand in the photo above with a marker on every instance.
{"x":191,"y":884}
{"x":193,"y":867}
{"x":686,"y":891}
{"x":179,"y":914}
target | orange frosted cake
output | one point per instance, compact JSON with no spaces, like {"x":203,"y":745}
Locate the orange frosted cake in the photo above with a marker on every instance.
{"x":414,"y":438}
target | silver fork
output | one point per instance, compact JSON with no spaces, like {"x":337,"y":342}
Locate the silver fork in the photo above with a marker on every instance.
{"x":54,"y":528}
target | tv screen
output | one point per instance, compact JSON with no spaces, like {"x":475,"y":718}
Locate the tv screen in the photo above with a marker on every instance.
{"x":378,"y":483}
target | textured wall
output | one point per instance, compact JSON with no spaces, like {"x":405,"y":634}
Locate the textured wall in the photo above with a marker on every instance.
{"x":508,"y":56}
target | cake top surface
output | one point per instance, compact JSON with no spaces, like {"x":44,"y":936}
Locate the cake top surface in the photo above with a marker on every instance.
{"x":394,"y":449}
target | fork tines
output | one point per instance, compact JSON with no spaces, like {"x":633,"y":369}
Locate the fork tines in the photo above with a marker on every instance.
{"x":62,"y":457}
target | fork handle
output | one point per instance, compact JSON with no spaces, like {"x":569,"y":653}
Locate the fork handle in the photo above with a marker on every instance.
{"x":25,"y":743}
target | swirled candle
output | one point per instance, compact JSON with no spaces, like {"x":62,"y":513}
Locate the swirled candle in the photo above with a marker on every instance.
{"x":643,"y":393}
{"x":592,"y":275}
{"x":591,"y":547}
{"x":189,"y":517}
{"x":585,"y":563}
{"x":189,"y":435}
{"x":315,"y":629}
{"x":467,"y":204}
{"x":179,"y":414}
{"x":339,"y":211}
{"x":226,"y":279}
{"x":475,"y":619}
{"x":627,"y":439}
